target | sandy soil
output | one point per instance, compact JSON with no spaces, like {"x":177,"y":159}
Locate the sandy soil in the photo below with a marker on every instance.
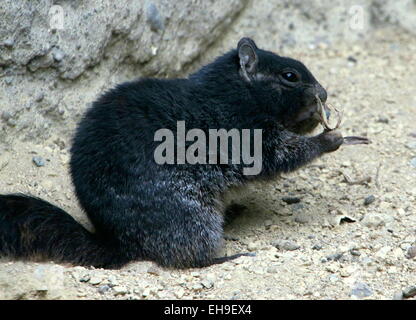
{"x":329,"y":245}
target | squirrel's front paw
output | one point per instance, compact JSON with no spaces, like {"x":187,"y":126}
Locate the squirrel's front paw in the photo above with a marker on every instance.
{"x":330,"y":140}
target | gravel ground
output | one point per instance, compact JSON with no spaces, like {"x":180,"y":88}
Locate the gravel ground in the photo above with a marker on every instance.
{"x":343,"y":227}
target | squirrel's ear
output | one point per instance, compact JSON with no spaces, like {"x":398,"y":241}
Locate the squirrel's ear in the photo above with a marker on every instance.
{"x":248,"y":56}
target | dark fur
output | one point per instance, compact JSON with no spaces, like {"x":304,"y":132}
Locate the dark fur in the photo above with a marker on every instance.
{"x":170,"y":213}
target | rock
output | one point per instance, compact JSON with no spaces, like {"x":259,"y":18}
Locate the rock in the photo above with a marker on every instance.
{"x":291,"y":200}
{"x":96,"y":280}
{"x":302,"y":218}
{"x":153,"y":18}
{"x":112,"y":281}
{"x":154,"y":270}
{"x":409,"y":292}
{"x":85,"y":278}
{"x":411,"y":252}
{"x":119,"y":290}
{"x":253,"y":246}
{"x":179,"y":293}
{"x":39,"y":97}
{"x":383,"y":252}
{"x":5,"y":115}
{"x":352,"y":59}
{"x":411,"y":145}
{"x":383,"y":119}
{"x":38,"y":161}
{"x":58,"y":54}
{"x":208,"y":284}
{"x":9,"y":43}
{"x":347,"y":271}
{"x":285,"y":245}
{"x":369,"y":200}
{"x":317,"y":247}
{"x":361,"y":290}
{"x":272,"y":269}
{"x":376,"y":220}
{"x":398,"y":296}
{"x":197,"y":287}
{"x":103,"y":289}
{"x":335,"y":256}
{"x":209,"y":281}
{"x":146,"y":293}
{"x":395,"y":13}
{"x":413,"y":162}
{"x":142,"y":38}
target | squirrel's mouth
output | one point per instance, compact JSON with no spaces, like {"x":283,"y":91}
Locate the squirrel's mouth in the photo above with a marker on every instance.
{"x":311,"y":112}
{"x":307,"y":119}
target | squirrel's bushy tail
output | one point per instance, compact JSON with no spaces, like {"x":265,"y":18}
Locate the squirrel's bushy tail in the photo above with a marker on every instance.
{"x":33,"y":229}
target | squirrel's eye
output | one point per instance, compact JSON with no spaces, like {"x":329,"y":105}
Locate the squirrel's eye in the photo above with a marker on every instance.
{"x":290,"y":76}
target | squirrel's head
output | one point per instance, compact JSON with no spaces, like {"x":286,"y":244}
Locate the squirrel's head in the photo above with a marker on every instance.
{"x":283,"y":86}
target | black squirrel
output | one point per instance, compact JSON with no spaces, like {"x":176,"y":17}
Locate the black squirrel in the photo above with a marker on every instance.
{"x":170,"y":214}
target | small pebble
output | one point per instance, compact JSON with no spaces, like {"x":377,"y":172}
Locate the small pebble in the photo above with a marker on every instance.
{"x":286,"y":245}
{"x":154,"y":18}
{"x":268,"y":223}
{"x":58,"y":54}
{"x":85,"y":278}
{"x":103,"y":289}
{"x":413,"y":162}
{"x":252,"y":246}
{"x":154,"y":270}
{"x":352,"y":59}
{"x":411,"y":252}
{"x":409,"y":292}
{"x":361,"y":290}
{"x":119,"y":290}
{"x":179,"y":293}
{"x":375,"y":220}
{"x":272,"y":269}
{"x":398,"y":296}
{"x":146,"y":293}
{"x":208,"y":284}
{"x":6,"y":115}
{"x":40,"y":97}
{"x":302,"y":218}
{"x":317,"y":247}
{"x":9,"y":42}
{"x":411,"y":145}
{"x":383,"y":120}
{"x":197,"y":287}
{"x":38,"y":161}
{"x":95,"y":280}
{"x":335,"y":256}
{"x":291,"y":200}
{"x":369,"y":200}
